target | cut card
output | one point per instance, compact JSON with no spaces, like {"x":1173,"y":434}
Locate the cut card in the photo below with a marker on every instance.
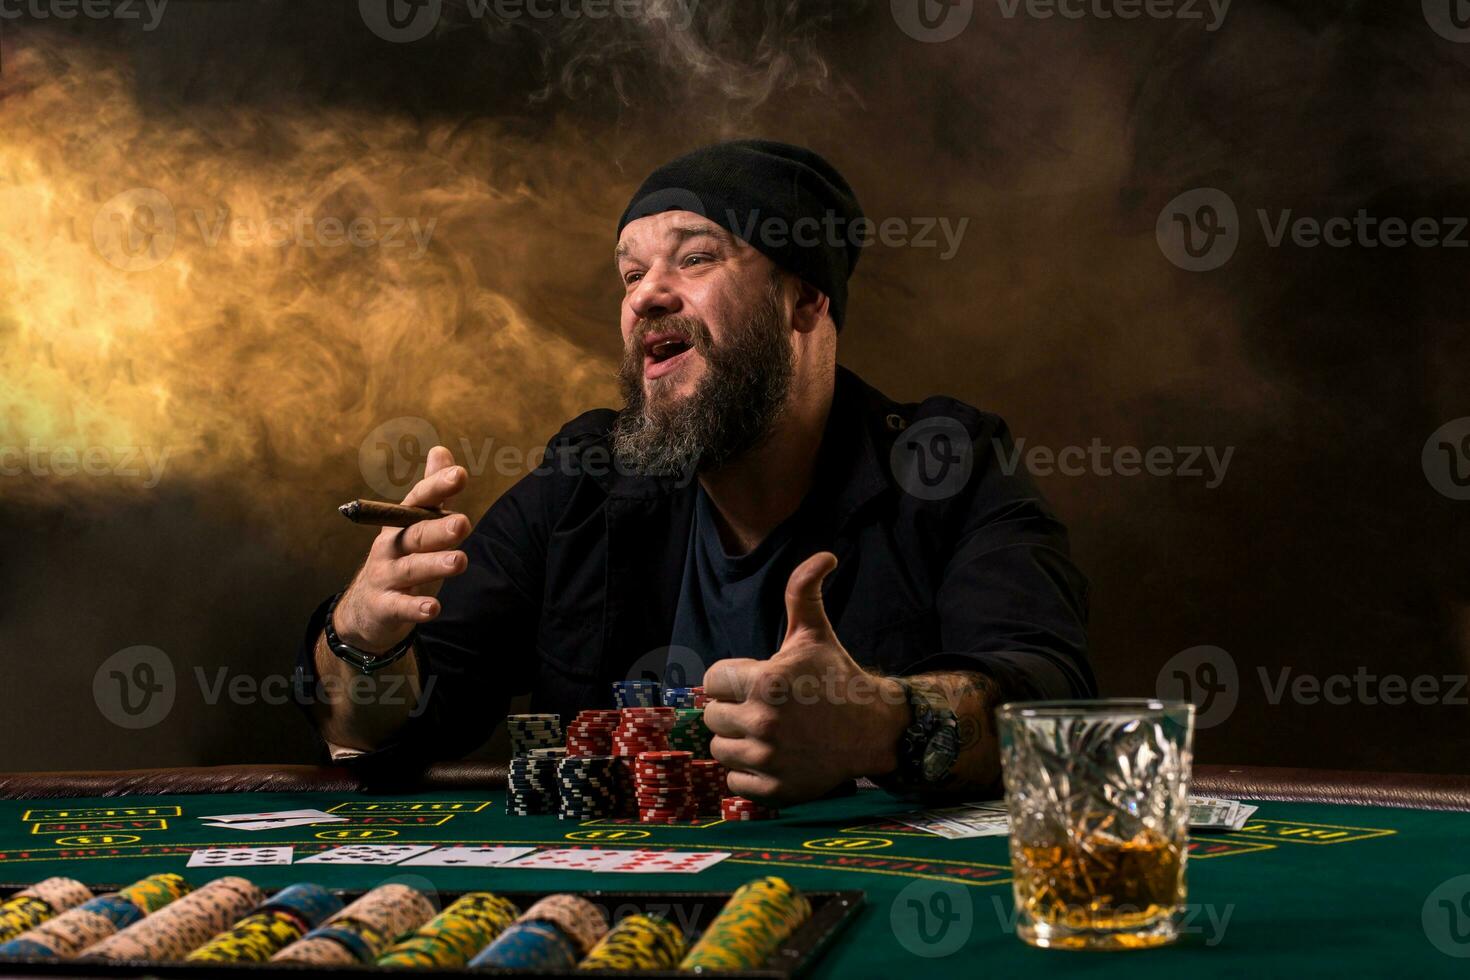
{"x":238,"y":857}
{"x":367,"y":854}
{"x":468,"y":857}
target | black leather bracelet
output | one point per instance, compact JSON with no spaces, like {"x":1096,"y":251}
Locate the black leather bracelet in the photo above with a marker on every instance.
{"x":365,"y":662}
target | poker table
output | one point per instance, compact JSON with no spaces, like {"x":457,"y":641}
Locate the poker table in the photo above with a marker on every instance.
{"x":1336,"y":873}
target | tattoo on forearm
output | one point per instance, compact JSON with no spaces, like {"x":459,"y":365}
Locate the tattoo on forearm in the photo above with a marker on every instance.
{"x":973,"y":697}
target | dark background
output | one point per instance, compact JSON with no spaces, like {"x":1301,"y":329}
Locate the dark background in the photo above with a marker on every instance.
{"x":262,"y":371}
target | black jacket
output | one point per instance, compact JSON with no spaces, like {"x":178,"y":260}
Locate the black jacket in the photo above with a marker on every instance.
{"x":574,"y":573}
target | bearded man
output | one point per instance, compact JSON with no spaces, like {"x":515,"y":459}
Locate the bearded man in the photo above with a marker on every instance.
{"x":858,"y":583}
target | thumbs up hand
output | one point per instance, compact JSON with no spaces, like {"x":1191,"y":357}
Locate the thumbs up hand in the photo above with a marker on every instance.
{"x":792,"y":727}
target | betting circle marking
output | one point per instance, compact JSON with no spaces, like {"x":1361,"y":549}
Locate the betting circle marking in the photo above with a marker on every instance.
{"x":848,"y":843}
{"x":97,"y":840}
{"x":356,"y":834}
{"x":608,"y":835}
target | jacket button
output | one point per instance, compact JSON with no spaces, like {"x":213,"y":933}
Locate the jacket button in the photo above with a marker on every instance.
{"x":896,"y":422}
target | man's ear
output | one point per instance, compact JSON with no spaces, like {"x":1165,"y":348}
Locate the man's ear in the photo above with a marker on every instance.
{"x":811,"y":306}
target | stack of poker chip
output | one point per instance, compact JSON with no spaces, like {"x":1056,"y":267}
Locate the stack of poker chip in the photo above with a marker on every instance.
{"x":679,"y":697}
{"x":155,"y":891}
{"x":636,"y":694}
{"x":455,"y":935}
{"x":643,"y":730}
{"x":95,"y":919}
{"x":707,"y":786}
{"x":663,"y":787}
{"x":31,"y":906}
{"x":739,"y":808}
{"x":363,"y":931}
{"x":528,"y":732}
{"x":72,"y":931}
{"x":640,"y":730}
{"x":183,"y":925}
{"x":554,"y":934}
{"x":690,"y":734}
{"x":531,"y":784}
{"x":275,"y":924}
{"x":749,"y":930}
{"x":638,"y":942}
{"x":587,"y":787}
{"x":700,"y":698}
{"x":590,"y":733}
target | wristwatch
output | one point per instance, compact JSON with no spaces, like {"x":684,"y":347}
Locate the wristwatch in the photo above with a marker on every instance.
{"x":928,"y":747}
{"x":365,"y":662}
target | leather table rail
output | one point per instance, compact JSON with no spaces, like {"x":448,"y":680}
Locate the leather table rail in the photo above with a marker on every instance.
{"x":1422,"y":791}
{"x":239,"y":779}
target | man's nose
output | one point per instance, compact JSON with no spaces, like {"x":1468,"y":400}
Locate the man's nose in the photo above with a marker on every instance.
{"x":655,"y":297}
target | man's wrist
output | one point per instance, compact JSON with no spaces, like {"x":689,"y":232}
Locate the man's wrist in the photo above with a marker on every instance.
{"x":892,"y":717}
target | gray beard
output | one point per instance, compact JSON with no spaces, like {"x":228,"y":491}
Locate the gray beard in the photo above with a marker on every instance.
{"x":735,"y":407}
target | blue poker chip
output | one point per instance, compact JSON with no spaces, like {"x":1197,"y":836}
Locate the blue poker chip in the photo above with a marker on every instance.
{"x":355,"y":944}
{"x":116,"y":909}
{"x":21,"y":948}
{"x":636,"y":694}
{"x":310,"y":903}
{"x":529,"y":946}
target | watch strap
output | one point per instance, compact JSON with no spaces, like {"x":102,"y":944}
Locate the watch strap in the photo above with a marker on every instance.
{"x":363,"y":661}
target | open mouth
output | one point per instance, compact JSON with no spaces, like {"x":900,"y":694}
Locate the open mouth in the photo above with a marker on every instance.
{"x":663,"y":353}
{"x":663,"y":350}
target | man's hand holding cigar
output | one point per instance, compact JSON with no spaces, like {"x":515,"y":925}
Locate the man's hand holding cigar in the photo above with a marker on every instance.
{"x":393,"y":592}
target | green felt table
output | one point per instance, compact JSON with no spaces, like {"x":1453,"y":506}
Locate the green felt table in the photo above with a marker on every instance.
{"x":1304,"y":889}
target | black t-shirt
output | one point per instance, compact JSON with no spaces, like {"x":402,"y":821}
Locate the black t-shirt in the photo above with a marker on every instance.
{"x":729,"y":605}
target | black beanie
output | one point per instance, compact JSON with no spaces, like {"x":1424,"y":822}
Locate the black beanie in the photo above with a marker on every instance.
{"x":784,"y":200}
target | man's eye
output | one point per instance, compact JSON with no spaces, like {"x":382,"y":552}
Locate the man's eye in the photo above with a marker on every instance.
{"x":691,"y":260}
{"x":632,"y":277}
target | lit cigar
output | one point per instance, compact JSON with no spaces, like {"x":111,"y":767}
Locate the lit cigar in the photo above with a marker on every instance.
{"x":376,"y":513}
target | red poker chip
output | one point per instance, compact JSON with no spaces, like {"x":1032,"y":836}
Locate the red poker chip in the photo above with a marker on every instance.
{"x":675,"y":756}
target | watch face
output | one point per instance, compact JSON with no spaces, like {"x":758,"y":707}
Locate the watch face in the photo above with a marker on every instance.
{"x":941,"y":751}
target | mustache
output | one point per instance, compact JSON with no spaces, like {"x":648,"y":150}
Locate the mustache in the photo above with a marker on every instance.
{"x":691,"y":328}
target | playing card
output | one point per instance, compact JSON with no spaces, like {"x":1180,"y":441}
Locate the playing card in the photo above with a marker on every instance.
{"x":269,"y":824}
{"x":317,"y":815}
{"x":238,"y":857}
{"x":666,"y":862}
{"x":367,"y":854}
{"x":571,"y":859}
{"x":958,"y":822}
{"x":468,"y":857}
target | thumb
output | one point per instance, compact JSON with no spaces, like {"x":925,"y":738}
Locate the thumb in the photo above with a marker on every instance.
{"x":805,"y":615}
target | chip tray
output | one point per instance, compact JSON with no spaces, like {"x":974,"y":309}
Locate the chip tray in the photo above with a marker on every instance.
{"x":832,"y":911}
